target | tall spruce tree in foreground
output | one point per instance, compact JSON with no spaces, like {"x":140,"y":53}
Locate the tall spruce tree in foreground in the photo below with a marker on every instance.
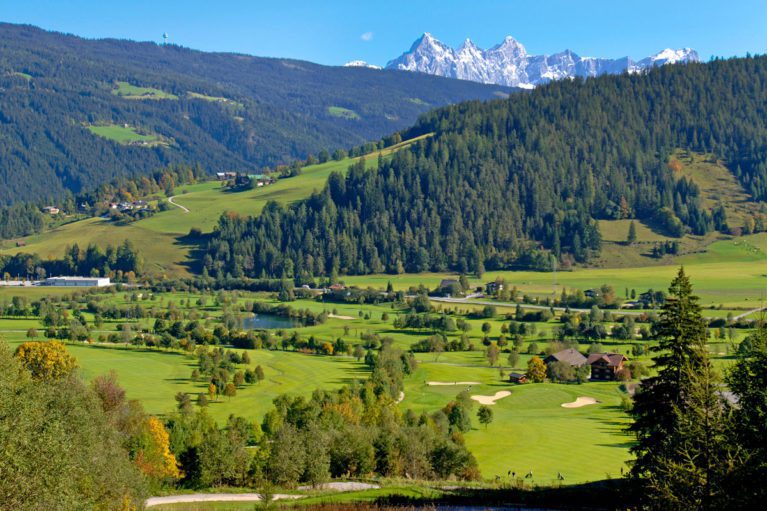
{"x":680,"y":420}
{"x":747,"y":380}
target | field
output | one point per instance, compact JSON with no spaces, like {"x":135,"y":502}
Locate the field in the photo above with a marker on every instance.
{"x":717,"y":185}
{"x":344,"y":113}
{"x":731,"y":273}
{"x":124,"y":135}
{"x":128,"y":91}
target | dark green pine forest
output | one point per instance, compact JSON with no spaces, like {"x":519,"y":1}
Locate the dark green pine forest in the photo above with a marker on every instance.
{"x":519,"y":182}
{"x":226,"y":112}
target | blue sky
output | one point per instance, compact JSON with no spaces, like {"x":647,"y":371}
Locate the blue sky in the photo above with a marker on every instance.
{"x":333,"y":32}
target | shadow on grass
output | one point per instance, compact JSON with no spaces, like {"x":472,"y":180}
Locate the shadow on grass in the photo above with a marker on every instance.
{"x":599,"y":495}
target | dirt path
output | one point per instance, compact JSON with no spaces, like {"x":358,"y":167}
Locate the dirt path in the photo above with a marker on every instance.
{"x":211,"y":497}
{"x":170,"y":199}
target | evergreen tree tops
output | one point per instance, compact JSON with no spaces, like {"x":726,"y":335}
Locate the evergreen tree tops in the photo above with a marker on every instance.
{"x":683,"y":454}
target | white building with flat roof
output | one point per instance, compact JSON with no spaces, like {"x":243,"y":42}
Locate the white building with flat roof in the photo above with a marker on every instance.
{"x":78,"y":281}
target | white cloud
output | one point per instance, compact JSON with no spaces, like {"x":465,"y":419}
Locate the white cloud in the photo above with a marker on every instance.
{"x":367,"y":36}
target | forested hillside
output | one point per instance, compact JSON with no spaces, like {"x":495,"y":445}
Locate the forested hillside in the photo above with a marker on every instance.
{"x":506,"y":183}
{"x":75,"y":113}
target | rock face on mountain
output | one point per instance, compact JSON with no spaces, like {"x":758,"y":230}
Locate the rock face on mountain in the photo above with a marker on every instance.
{"x":508,"y":63}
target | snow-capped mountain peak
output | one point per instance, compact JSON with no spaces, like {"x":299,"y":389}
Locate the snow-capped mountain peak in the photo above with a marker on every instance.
{"x":669,"y":56}
{"x":508,"y":63}
{"x":360,"y":63}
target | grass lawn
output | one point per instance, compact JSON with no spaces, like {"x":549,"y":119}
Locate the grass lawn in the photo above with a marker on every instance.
{"x":123,"y":134}
{"x":531,"y":430}
{"x":731,"y":272}
{"x":154,"y":377}
{"x":129,"y":91}
{"x":162,"y":252}
{"x":343,"y":113}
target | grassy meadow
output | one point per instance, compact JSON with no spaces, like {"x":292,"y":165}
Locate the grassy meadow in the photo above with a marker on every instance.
{"x":124,"y":134}
{"x":130,"y":91}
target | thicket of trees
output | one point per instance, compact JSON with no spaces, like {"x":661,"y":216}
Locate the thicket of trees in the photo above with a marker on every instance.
{"x":500,"y":180}
{"x":355,"y":431}
{"x":60,"y":448}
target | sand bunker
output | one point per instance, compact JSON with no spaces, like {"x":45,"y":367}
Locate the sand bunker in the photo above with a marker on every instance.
{"x":490,"y":400}
{"x":440,"y":383}
{"x":581,"y":401}
{"x":336,"y":316}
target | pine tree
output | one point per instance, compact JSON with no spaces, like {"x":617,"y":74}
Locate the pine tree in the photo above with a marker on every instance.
{"x":748,"y":381}
{"x":632,"y":235}
{"x":680,"y":420}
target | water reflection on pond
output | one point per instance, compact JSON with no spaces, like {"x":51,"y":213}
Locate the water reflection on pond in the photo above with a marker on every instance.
{"x":268,"y":322}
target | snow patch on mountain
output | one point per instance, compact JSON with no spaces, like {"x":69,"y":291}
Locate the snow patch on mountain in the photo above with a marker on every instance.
{"x":361,"y":63}
{"x":508,"y":63}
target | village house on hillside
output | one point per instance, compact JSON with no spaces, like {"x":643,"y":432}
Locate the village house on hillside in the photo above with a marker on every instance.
{"x":51,"y":210}
{"x":605,"y":366}
{"x":261,"y":179}
{"x":570,"y":356}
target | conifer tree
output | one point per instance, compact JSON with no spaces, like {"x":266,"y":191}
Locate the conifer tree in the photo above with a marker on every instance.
{"x":632,"y":235}
{"x":680,"y":419}
{"x":748,"y":381}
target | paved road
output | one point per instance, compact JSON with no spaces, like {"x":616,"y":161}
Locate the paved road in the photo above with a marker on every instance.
{"x":753,"y":311}
{"x":527,"y":306}
{"x":170,"y":199}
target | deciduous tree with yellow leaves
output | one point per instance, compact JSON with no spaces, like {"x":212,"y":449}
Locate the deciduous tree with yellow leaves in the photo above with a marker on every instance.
{"x":536,"y":370}
{"x":154,"y":457}
{"x":46,"y":360}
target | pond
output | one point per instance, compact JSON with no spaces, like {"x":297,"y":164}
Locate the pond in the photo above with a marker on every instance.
{"x":268,"y":322}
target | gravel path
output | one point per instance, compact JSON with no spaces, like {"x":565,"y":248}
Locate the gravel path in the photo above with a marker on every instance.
{"x":170,"y":199}
{"x":211,"y":497}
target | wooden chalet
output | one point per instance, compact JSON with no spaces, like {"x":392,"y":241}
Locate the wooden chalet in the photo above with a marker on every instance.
{"x":605,"y":366}
{"x":518,"y":378}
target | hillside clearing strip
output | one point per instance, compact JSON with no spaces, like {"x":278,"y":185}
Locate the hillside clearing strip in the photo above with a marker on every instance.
{"x":490,"y":400}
